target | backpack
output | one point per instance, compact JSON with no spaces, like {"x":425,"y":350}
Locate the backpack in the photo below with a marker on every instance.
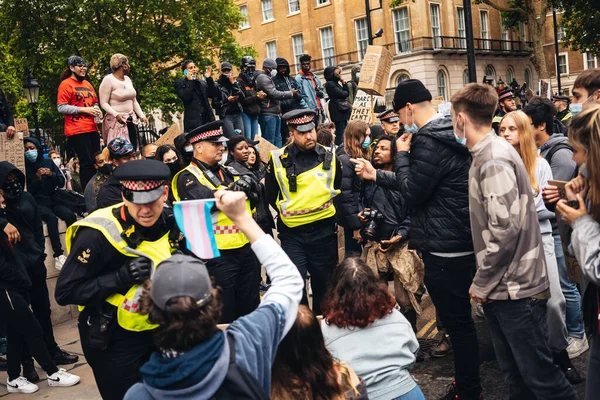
{"x":238,"y":384}
{"x":557,"y":147}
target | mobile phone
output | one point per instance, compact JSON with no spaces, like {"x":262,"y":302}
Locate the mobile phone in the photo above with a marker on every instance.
{"x":185,"y":72}
{"x":561,"y":187}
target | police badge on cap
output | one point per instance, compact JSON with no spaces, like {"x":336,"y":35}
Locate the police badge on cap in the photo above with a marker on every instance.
{"x":143,"y":181}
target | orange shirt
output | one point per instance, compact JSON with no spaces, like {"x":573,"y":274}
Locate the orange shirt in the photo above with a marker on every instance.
{"x":80,"y":94}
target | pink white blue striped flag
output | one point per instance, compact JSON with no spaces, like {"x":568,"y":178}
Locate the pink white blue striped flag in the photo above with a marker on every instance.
{"x":194,"y":220}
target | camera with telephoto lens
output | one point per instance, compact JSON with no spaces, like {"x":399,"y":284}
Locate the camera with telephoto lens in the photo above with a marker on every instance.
{"x":373,"y":217}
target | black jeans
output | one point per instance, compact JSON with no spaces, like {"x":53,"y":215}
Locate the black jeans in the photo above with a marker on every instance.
{"x":237,"y":272}
{"x":40,"y":304}
{"x":117,"y":368}
{"x":85,"y":145}
{"x":24,"y":334}
{"x":519,"y":334}
{"x":351,"y":247}
{"x":50,"y":215}
{"x":312,"y":248}
{"x":340,"y":127}
{"x":448,"y":280}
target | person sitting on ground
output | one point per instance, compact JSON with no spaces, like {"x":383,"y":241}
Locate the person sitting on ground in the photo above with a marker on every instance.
{"x":149,"y":151}
{"x":196,"y":358}
{"x":75,"y":179}
{"x":43,"y":177}
{"x":120,"y":152}
{"x":358,"y":311}
{"x":104,"y":170}
{"x":54,"y":155}
{"x":23,"y":329}
{"x":304,"y":368}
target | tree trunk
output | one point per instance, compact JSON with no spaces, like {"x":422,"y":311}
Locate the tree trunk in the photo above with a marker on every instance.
{"x":538,"y":58}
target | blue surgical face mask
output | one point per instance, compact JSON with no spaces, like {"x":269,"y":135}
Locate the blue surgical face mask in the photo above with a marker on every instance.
{"x":584,"y":171}
{"x":358,"y":75}
{"x":31,"y":155}
{"x":575,"y":108}
{"x":410,"y":128}
{"x":461,"y":140}
{"x":366,"y":143}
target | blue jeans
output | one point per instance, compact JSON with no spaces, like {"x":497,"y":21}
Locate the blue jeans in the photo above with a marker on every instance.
{"x":574,"y":318}
{"x":250,"y":126}
{"x":414,"y":394}
{"x":270,"y":126}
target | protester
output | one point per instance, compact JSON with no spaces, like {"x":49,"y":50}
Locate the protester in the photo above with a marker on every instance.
{"x":43,"y":177}
{"x":228,"y":101}
{"x":516,"y":129}
{"x":78,"y":102}
{"x":185,"y":149}
{"x":304,"y":368}
{"x":269,"y":119}
{"x":355,"y":145}
{"x":339,"y":107}
{"x":255,"y":163}
{"x":194,"y":93}
{"x":238,"y":152}
{"x":119,"y":99}
{"x":120,"y":152}
{"x":104,"y":169}
{"x":264,"y":218}
{"x":236,"y":271}
{"x":27,"y":236}
{"x":581,"y":212}
{"x":198,"y":360}
{"x":251,"y":97}
{"x":512,"y":285}
{"x":386,"y":236}
{"x":111,"y":252}
{"x":352,"y":85}
{"x":7,"y":119}
{"x":149,"y":151}
{"x":24,"y":330}
{"x":301,"y":183}
{"x":586,"y":91}
{"x":326,"y":134}
{"x":284,"y":83}
{"x":440,"y":219}
{"x":358,"y":312}
{"x":54,"y":155}
{"x":311,"y":88}
{"x":75,"y":177}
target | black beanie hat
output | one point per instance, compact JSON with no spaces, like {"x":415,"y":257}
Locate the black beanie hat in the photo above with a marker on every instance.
{"x":410,"y":91}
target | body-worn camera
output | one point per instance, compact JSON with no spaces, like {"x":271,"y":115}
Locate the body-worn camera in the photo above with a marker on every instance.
{"x":373,"y":217}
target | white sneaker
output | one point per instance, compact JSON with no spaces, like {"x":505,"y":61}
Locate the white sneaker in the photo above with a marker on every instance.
{"x":577,"y":346}
{"x":63,"y":378}
{"x":59,"y":261}
{"x":21,"y":385}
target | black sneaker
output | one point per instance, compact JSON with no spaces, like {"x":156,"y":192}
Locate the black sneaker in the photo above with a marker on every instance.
{"x":61,"y":357}
{"x":453,"y":394}
{"x":29,"y":372}
{"x":574,"y":376}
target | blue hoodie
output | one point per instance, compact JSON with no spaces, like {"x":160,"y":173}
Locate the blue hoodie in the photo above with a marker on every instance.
{"x":42,"y":189}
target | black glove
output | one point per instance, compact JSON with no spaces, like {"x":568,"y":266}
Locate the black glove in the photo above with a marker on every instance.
{"x":244,"y":184}
{"x":137,"y":270}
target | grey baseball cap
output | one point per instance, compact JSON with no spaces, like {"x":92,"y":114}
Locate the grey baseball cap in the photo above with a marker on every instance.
{"x":181,"y":276}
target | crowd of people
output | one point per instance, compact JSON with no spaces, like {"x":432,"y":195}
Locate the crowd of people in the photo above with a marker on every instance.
{"x":492,"y":207}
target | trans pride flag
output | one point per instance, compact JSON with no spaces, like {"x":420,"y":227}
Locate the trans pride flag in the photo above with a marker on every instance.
{"x":194,"y":220}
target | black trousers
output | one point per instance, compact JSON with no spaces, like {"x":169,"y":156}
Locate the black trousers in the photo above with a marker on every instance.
{"x":237,"y":272}
{"x":40,"y":304}
{"x":448,"y":281}
{"x":116,"y":368}
{"x":24,"y":334}
{"x":85,"y":145}
{"x":313,"y":248}
{"x":50,"y":215}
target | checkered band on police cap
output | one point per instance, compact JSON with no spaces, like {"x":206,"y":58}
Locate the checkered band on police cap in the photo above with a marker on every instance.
{"x":142,"y":186}
{"x":206,"y":135}
{"x":305,"y":119}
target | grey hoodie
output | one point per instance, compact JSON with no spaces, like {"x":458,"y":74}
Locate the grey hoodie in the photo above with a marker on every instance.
{"x":270,"y":104}
{"x":563,"y":166}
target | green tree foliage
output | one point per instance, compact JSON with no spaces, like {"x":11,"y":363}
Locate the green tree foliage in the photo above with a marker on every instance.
{"x":156,"y":35}
{"x":581,"y":22}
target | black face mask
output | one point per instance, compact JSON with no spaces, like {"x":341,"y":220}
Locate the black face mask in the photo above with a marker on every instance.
{"x":106,"y":169}
{"x":80,"y":78}
{"x":174,"y":167}
{"x":188,"y":155}
{"x":249,"y":76}
{"x":3,"y":214}
{"x":13,"y":189}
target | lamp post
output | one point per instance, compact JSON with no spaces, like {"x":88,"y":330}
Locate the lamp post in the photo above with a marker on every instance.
{"x":32,"y":92}
{"x":368,"y":10}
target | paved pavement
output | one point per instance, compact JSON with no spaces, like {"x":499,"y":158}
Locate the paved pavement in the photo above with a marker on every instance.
{"x":433,"y":375}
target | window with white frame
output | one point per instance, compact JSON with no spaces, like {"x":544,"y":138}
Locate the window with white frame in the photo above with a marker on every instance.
{"x":560,"y":33}
{"x":322,"y":2}
{"x":563,"y":63}
{"x":436,"y":29}
{"x":589,"y":61}
{"x":401,"y":30}
{"x":466,"y":77}
{"x":505,"y":39}
{"x":298,"y":49}
{"x":403,"y":77}
{"x":267,"y":10}
{"x":327,"y":46}
{"x":441,"y":84}
{"x":271,"y":49}
{"x":362,"y":37}
{"x":246,"y":22}
{"x":523,"y":30}
{"x":527,"y":77}
{"x":294,"y":6}
{"x":484,"y":29}
{"x":460,"y":17}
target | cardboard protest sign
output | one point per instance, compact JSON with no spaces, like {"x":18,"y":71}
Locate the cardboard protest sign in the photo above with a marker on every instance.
{"x":169,"y":135}
{"x":375,"y":70}
{"x":12,"y":150}
{"x":264,"y":148}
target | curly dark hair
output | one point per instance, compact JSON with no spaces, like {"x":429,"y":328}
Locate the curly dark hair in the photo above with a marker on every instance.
{"x":186,"y":324}
{"x":356,"y":297}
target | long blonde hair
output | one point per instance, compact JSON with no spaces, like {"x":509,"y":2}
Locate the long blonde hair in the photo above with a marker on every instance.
{"x":527,"y":148}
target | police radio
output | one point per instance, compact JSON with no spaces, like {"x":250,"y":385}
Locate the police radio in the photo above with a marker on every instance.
{"x":293,"y":183}
{"x":328,"y":158}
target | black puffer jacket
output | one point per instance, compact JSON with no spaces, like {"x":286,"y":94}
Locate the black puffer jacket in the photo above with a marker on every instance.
{"x":225,"y":89}
{"x":339,"y":108}
{"x":250,"y":101}
{"x":284,"y":82}
{"x":348,"y":201}
{"x":434,"y":180}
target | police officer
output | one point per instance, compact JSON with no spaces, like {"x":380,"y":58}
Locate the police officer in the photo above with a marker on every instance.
{"x":111,"y":253}
{"x":237,"y":271}
{"x":301,"y":183}
{"x":390,"y":122}
{"x":562,"y":106}
{"x":506,"y":104}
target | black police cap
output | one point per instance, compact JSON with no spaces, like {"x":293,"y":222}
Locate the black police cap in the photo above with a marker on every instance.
{"x":142,"y":180}
{"x":211,"y":132}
